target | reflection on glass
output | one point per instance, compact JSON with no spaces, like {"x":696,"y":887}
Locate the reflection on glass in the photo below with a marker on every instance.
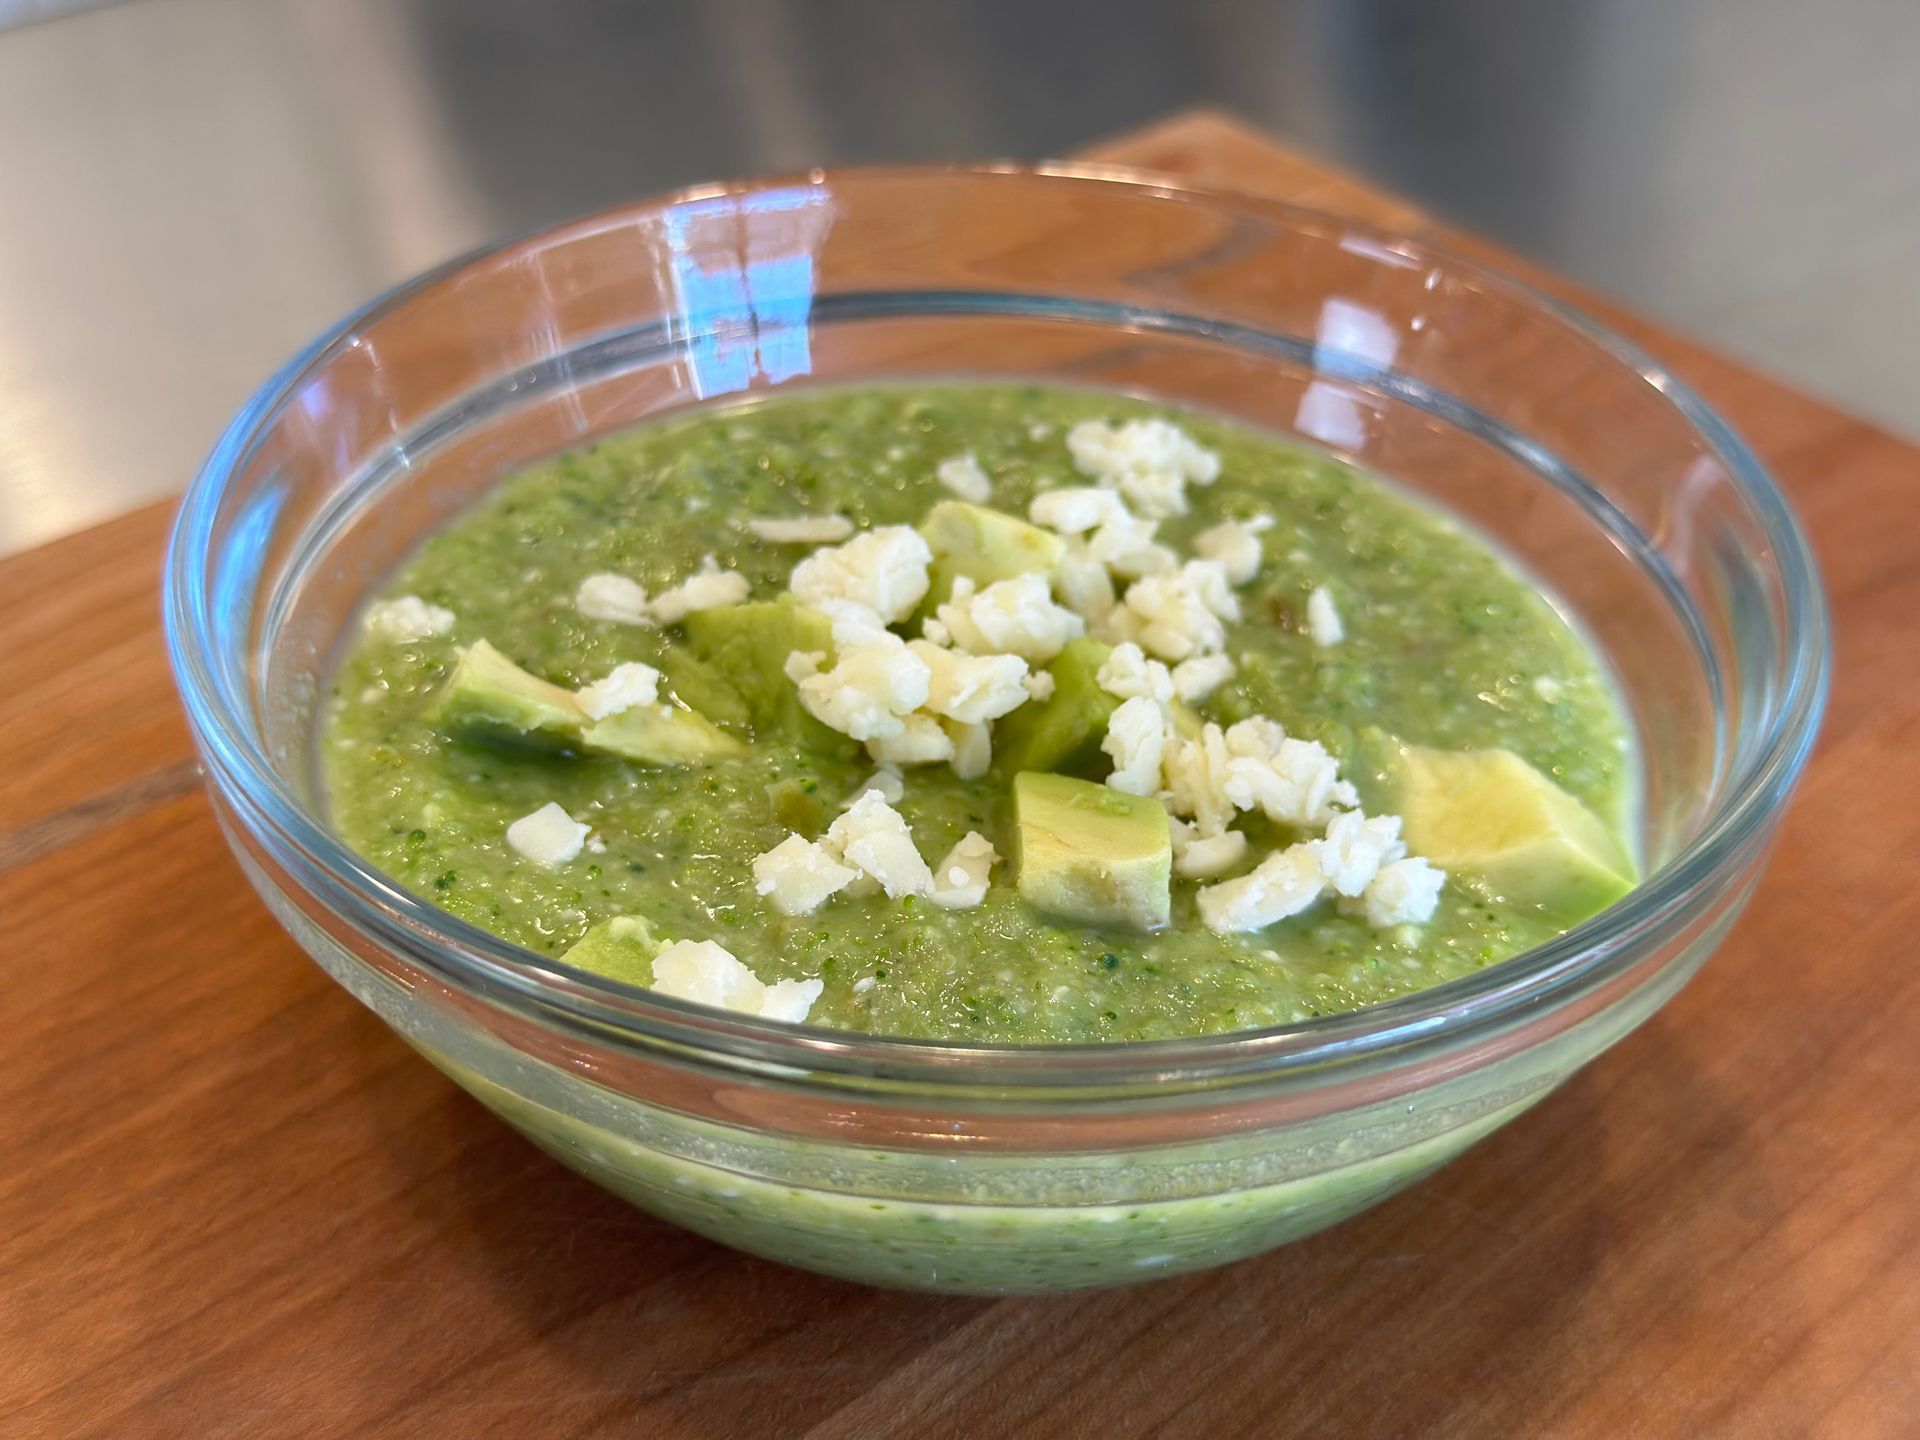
{"x":742,"y":269}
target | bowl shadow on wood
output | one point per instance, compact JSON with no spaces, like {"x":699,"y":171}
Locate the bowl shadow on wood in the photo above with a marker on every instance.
{"x":1457,"y":1304}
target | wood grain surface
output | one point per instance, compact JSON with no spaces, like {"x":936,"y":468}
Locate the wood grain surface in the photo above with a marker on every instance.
{"x":231,"y":1203}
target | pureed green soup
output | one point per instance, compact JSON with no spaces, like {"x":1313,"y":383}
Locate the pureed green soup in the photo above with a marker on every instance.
{"x":1439,"y":715}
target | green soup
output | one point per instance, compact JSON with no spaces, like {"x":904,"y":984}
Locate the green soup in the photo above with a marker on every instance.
{"x":1445,"y":646}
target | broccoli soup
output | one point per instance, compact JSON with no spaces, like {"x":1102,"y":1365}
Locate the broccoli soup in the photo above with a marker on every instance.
{"x":981,"y":713}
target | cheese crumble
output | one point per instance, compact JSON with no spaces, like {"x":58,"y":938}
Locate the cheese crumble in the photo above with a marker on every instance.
{"x":1323,"y":620}
{"x":1136,"y":739}
{"x":802,"y":529}
{"x":406,"y":619}
{"x":1127,"y":672}
{"x":1406,"y":892}
{"x":1016,"y":616}
{"x":706,"y":972}
{"x":1235,"y":545}
{"x":614,"y":599}
{"x":960,"y":880}
{"x":1283,"y":884}
{"x":963,"y":476}
{"x":624,"y":687}
{"x":797,"y":876}
{"x":1150,"y":462}
{"x":1194,"y":680}
{"x":883,"y":571}
{"x":709,"y":589}
{"x":549,"y":836}
{"x":872,"y":837}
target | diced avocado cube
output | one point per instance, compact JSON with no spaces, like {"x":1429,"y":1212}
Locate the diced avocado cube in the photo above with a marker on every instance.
{"x":984,"y":545}
{"x":747,"y":647}
{"x":702,"y":688}
{"x":661,"y":735}
{"x":1491,"y":815}
{"x":1062,"y":732}
{"x":1090,"y":853}
{"x":490,"y":697}
{"x":620,"y":949}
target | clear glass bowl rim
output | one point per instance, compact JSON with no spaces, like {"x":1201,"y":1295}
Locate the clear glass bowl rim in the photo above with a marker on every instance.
{"x":605,"y":1011}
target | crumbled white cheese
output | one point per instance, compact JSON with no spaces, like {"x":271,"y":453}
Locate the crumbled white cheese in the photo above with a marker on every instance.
{"x":549,"y":836}
{"x":972,"y":749}
{"x":1177,"y":613}
{"x":1405,"y":892}
{"x":790,"y":1000}
{"x":920,"y":740}
{"x":1355,"y":848}
{"x":1127,"y":672}
{"x":1202,"y":857}
{"x":1076,"y":509}
{"x":797,"y":876}
{"x":1323,"y":620}
{"x":1208,"y":580}
{"x":613,"y":598}
{"x":960,"y":880}
{"x":1040,"y":684}
{"x":869,"y":691}
{"x":802,"y":529}
{"x":1254,"y":765}
{"x":707,"y":973}
{"x":1194,"y":680}
{"x":1283,"y":884}
{"x":1196,"y":778}
{"x":624,"y":687}
{"x":406,"y":619}
{"x":1150,"y":462}
{"x":799,"y":664}
{"x":1125,"y":545}
{"x":1295,"y":782}
{"x":1235,"y":545}
{"x":888,"y":782}
{"x":873,"y":838}
{"x":709,"y":589}
{"x":963,"y":476}
{"x":883,"y":571}
{"x":1136,"y":740}
{"x":864,"y":984}
{"x":1081,"y":581}
{"x":971,"y":688}
{"x":1016,"y":616}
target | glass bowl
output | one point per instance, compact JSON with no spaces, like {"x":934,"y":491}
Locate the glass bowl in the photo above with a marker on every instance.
{"x":994,"y":1168}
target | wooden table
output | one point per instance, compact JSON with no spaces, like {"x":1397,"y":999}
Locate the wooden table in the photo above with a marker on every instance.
{"x":231,"y":1203}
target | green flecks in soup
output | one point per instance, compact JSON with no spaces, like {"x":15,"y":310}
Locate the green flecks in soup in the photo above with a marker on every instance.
{"x":1443,"y":648}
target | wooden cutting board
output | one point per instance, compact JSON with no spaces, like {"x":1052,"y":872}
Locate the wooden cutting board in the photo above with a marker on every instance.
{"x":232,"y":1204}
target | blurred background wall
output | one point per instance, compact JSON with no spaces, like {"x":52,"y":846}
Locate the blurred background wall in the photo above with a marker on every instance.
{"x":190,"y":188}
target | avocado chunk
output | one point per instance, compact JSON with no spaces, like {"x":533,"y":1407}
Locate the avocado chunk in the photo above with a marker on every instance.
{"x":489,"y":697}
{"x":1489,"y":814}
{"x":661,"y":735}
{"x":703,"y":689}
{"x":621,"y":949}
{"x":746,"y":647}
{"x":1062,"y":732}
{"x":1089,"y":853}
{"x":984,"y":545}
